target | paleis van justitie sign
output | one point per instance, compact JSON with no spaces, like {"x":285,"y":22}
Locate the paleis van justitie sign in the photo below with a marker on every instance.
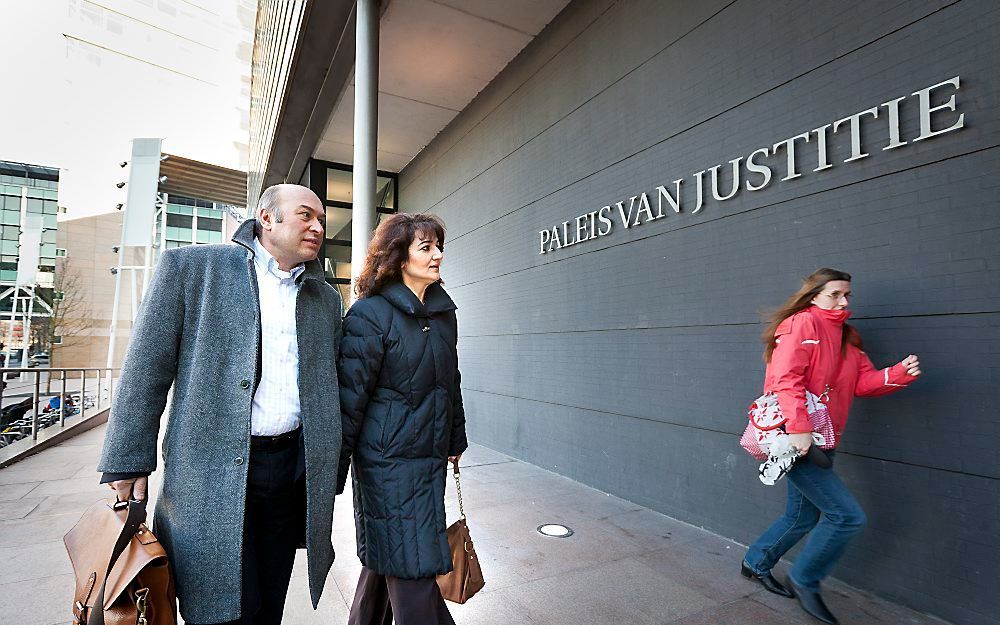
{"x":753,"y":171}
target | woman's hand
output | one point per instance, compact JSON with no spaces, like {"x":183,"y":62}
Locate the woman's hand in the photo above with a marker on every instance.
{"x":912,"y":364}
{"x":801,"y":441}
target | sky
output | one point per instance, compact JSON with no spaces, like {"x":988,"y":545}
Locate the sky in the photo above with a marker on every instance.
{"x":83,"y":78}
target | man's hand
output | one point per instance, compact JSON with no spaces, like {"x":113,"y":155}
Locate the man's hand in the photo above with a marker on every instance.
{"x":454,"y":459}
{"x":801,"y":441}
{"x":134,"y":488}
{"x":912,"y":364}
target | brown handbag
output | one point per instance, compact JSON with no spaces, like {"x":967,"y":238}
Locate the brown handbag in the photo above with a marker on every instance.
{"x":122,"y":573}
{"x":466,"y":578}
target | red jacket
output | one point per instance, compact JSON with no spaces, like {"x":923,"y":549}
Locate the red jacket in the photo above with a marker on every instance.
{"x":806,"y":357}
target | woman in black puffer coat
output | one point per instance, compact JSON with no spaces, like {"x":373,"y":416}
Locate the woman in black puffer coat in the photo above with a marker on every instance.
{"x":403,"y":421}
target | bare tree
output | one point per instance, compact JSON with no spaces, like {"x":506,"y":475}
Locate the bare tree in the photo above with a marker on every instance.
{"x":71,"y":316}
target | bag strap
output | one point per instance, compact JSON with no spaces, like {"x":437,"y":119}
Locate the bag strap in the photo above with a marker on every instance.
{"x":136,"y":516}
{"x":458,"y":487}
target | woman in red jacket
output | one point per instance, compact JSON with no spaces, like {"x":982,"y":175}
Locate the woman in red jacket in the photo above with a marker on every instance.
{"x":810,"y":347}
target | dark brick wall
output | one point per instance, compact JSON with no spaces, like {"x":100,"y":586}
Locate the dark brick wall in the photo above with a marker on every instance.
{"x":627,"y":362}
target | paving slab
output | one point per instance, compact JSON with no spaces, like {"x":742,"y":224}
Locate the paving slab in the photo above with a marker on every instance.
{"x":624,"y":563}
{"x":9,"y":492}
{"x":42,"y":601}
{"x":34,"y":560}
{"x":18,"y":508}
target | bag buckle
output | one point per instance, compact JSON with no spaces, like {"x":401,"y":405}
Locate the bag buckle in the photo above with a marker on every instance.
{"x":825,"y":395}
{"x":140,"y":605}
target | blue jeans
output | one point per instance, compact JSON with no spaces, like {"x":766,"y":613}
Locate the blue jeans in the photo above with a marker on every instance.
{"x":812,"y":492}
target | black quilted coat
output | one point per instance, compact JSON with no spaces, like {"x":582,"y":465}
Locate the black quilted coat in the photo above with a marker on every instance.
{"x":401,"y":407}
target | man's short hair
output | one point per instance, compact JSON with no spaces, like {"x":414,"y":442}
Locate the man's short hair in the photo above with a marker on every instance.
{"x":270,"y":204}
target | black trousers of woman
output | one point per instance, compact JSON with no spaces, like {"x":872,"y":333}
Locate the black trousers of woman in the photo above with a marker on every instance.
{"x":380,"y":599}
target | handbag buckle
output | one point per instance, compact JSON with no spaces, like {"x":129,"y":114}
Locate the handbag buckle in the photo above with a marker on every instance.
{"x":825,"y":395}
{"x":140,"y":605}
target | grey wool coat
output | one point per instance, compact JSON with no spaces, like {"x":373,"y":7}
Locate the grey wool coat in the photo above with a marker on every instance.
{"x":198,"y":329}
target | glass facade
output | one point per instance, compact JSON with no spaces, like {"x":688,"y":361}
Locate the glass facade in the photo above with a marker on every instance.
{"x":334,"y":183}
{"x":36,"y":190}
{"x":190,"y":221}
{"x":26,"y":190}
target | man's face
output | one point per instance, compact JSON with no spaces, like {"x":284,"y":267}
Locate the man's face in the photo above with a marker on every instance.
{"x":299,"y":235}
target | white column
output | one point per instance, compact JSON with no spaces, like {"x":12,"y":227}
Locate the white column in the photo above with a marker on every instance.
{"x":365,"y":133}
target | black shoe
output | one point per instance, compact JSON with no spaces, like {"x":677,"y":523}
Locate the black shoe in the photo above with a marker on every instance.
{"x":812,"y":602}
{"x":767,"y":581}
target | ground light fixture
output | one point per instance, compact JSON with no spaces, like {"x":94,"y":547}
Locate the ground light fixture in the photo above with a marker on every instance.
{"x":554,"y":530}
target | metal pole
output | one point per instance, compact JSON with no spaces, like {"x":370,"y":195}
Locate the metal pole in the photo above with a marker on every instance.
{"x":34,"y":407}
{"x":62,"y":400}
{"x":83,"y":392}
{"x":111,"y":385}
{"x":365,"y":133}
{"x":135,"y":294}
{"x":99,"y":389}
{"x":13,"y":316}
{"x":27,"y":325}
{"x":115,"y":306}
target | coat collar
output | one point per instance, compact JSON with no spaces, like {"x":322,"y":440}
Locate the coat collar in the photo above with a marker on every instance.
{"x":245,"y":236}
{"x":435,"y":299}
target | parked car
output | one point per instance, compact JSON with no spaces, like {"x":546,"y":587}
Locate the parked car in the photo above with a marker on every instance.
{"x":41,"y":359}
{"x":14,"y":361}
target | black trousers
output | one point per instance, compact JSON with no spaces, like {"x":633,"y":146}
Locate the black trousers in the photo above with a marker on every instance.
{"x":272,"y":530}
{"x":380,"y":599}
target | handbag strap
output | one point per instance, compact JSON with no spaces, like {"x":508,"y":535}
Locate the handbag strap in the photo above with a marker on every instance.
{"x":136,"y":516}
{"x":458,"y":488}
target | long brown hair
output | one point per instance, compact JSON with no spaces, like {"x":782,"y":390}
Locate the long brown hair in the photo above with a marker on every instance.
{"x":802,"y":299}
{"x":390,"y":247}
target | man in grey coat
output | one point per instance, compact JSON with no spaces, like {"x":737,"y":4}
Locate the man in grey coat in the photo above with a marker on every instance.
{"x":247,"y":334}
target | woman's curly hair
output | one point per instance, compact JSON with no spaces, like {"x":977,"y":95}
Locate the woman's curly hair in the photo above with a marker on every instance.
{"x":390,"y":248}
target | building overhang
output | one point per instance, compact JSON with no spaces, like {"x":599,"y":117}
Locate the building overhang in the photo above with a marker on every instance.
{"x":203,"y":181}
{"x":435,"y":57}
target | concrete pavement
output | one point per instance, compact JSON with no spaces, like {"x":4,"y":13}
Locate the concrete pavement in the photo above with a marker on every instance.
{"x":624,"y":564}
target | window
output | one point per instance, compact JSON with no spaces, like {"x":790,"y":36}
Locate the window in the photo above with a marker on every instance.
{"x":212,"y":225}
{"x":339,"y":185}
{"x":180,"y":221}
{"x":179,"y":234}
{"x":338,"y":223}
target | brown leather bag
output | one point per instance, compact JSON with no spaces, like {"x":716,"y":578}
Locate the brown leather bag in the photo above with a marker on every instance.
{"x":122,"y":573}
{"x":466,"y":578}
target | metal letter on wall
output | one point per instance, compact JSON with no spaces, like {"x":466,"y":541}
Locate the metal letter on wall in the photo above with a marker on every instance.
{"x":140,"y":206}
{"x":29,"y":249}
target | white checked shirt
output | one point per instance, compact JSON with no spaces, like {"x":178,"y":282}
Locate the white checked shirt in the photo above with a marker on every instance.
{"x":276,"y":407}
